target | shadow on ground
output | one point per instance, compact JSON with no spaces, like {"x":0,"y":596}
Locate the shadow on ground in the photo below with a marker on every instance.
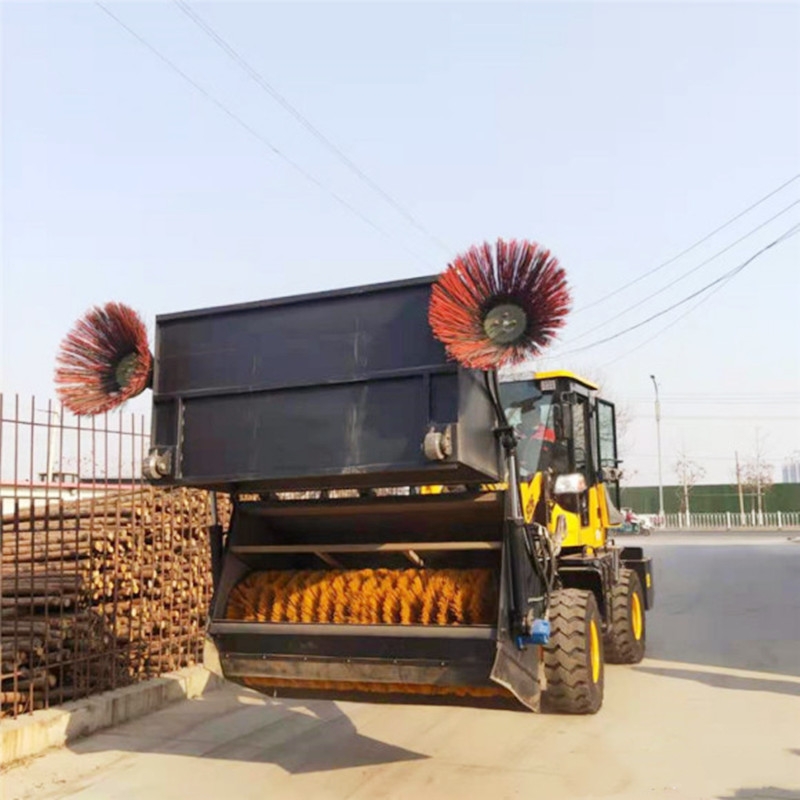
{"x":299,"y":736}
{"x":764,"y":793}
{"x":719,"y":681}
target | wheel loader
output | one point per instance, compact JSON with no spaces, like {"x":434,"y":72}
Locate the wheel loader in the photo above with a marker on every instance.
{"x":402,"y":525}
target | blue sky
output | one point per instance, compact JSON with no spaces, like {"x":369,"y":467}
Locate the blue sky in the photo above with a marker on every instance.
{"x":616,"y":134}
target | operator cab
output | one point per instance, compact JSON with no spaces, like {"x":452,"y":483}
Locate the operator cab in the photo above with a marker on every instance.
{"x":564,"y":428}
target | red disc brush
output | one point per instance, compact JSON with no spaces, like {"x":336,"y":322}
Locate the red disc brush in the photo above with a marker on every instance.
{"x":495,"y":307}
{"x":104,"y":360}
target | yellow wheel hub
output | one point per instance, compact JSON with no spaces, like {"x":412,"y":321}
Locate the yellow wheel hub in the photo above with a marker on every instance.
{"x":594,"y":651}
{"x":637,"y":619}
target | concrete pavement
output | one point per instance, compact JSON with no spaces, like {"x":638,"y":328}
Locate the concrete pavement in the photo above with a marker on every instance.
{"x":694,"y":721}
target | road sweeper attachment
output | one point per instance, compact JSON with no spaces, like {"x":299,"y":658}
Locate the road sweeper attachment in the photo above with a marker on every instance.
{"x":403,"y":524}
{"x":344,"y":571}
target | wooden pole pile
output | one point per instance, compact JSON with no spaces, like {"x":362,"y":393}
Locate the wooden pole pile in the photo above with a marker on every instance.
{"x":100,"y":593}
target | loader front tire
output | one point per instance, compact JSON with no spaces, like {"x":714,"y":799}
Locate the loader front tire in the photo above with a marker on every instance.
{"x":626,"y":634}
{"x":573,"y":659}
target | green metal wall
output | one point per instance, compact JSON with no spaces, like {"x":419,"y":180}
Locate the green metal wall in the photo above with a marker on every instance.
{"x":644,"y":499}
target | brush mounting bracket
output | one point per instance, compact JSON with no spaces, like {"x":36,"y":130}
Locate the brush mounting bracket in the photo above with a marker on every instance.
{"x":158,"y":464}
{"x":438,"y":445}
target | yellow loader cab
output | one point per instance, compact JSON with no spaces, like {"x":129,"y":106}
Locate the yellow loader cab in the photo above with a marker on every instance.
{"x":569,"y":485}
{"x":569,"y":473}
{"x":567,"y":445}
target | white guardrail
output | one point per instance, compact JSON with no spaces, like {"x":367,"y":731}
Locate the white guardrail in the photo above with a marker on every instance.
{"x":728,"y":520}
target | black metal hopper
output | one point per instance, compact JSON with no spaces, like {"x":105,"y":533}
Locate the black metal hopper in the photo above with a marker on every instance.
{"x":329,"y":390}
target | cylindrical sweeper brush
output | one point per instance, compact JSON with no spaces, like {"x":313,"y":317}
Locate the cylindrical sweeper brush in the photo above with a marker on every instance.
{"x":367,"y":597}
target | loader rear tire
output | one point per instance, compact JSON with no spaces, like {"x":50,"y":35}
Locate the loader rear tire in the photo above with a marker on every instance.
{"x":625,"y":639}
{"x":573,"y":659}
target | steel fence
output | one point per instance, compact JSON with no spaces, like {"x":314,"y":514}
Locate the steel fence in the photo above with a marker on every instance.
{"x":105,"y":581}
{"x":728,"y":520}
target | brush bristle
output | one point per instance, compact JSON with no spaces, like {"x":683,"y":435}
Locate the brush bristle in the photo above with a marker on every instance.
{"x":519,"y":275}
{"x":104,"y":360}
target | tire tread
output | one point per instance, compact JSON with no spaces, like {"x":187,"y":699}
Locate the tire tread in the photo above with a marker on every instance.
{"x":570,"y":688}
{"x":620,"y":645}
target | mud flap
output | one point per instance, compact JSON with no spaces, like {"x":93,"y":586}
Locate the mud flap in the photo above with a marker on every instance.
{"x":515,"y":669}
{"x":634,"y":558}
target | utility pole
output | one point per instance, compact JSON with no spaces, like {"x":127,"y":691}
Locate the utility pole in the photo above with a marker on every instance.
{"x":658,"y":439}
{"x":758,"y":479}
{"x":686,"y":498}
{"x":739,"y":487}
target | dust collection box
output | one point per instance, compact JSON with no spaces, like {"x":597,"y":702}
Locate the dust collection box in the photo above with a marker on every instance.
{"x":329,"y":390}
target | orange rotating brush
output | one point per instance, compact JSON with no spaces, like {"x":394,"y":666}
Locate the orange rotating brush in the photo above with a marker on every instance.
{"x":496,"y":307}
{"x":104,"y":360}
{"x":368,"y":596}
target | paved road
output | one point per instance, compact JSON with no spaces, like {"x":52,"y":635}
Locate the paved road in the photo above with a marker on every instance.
{"x":713,"y":713}
{"x":727,"y":600}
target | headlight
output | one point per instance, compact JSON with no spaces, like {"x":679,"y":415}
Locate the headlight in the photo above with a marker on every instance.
{"x":574,"y":483}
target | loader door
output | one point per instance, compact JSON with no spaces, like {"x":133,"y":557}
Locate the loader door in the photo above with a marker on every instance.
{"x":581,"y":456}
{"x":608,"y":462}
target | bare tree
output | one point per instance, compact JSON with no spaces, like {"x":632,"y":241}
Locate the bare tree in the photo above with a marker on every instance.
{"x":757,"y":476}
{"x":689,"y":473}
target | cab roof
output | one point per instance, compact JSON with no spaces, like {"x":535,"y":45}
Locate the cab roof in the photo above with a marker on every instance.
{"x":571,"y":376}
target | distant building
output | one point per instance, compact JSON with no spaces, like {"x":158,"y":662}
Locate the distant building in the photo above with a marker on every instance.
{"x":63,"y":487}
{"x":791,"y":469}
{"x":60,"y":477}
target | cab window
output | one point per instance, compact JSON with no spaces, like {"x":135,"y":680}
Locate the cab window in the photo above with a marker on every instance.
{"x":529,"y":412}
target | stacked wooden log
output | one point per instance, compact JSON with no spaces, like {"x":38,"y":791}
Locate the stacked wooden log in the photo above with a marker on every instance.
{"x":99,"y":593}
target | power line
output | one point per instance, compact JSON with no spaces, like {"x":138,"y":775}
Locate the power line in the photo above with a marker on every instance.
{"x":739,"y":397}
{"x":687,"y":273}
{"x":694,"y":455}
{"x":708,"y":417}
{"x":306,"y":123}
{"x":253,"y":132}
{"x":722,"y":279}
{"x":669,"y":325}
{"x":764,"y":402}
{"x":666,"y":327}
{"x":688,"y":249}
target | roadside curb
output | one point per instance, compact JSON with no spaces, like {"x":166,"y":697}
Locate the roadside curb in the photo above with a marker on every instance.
{"x":34,"y":733}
